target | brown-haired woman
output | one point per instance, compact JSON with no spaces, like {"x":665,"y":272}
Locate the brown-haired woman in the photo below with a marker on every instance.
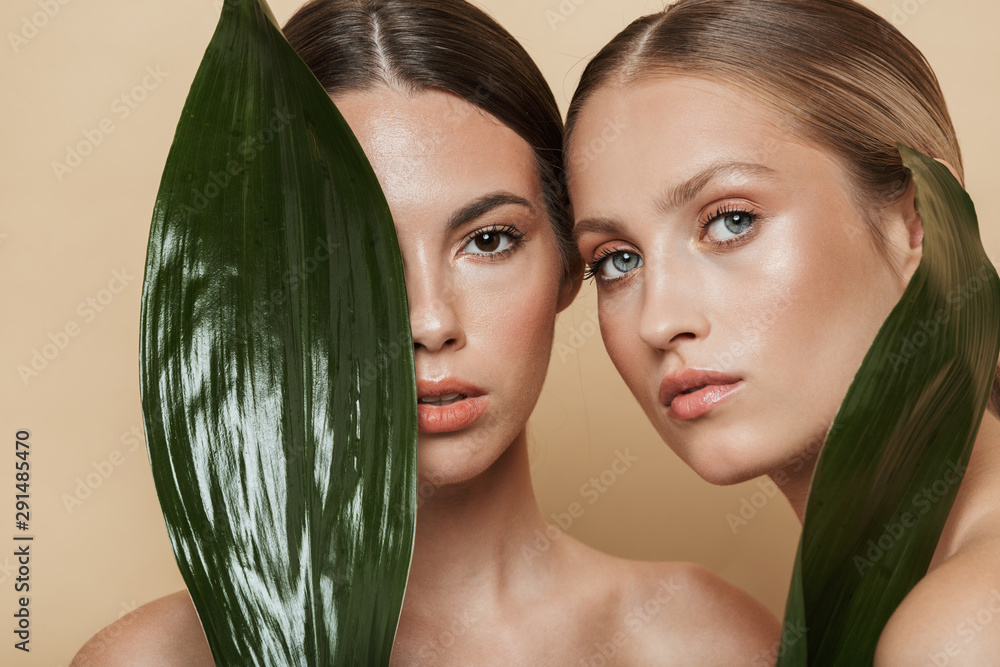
{"x":466,"y":139}
{"x":749,"y":230}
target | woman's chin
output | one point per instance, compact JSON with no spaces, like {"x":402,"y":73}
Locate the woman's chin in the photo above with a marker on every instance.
{"x":721,"y":465}
{"x":724,"y":475}
{"x":443,"y":463}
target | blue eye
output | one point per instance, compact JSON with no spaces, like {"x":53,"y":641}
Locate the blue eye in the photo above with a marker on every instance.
{"x":727,"y":225}
{"x":614,"y":265}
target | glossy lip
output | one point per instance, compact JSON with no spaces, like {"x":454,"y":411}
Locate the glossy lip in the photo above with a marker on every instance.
{"x":448,"y":418}
{"x":716,"y":386}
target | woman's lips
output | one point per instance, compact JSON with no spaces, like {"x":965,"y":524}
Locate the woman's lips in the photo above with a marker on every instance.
{"x":444,"y":419}
{"x":697,"y":403}
{"x":448,"y":405}
{"x":694,"y":392}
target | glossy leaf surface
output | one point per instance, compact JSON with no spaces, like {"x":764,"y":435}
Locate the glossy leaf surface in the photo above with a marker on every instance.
{"x":277,"y":372}
{"x":894,"y":456}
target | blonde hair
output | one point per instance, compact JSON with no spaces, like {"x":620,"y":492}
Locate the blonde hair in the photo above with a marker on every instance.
{"x":841,"y":75}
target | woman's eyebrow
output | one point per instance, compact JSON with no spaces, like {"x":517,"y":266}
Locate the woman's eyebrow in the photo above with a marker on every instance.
{"x":679,"y":195}
{"x":483,"y":205}
{"x":605,"y":226}
{"x":675,"y":197}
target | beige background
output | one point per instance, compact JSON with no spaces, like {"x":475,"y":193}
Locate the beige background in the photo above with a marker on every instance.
{"x":62,"y":237}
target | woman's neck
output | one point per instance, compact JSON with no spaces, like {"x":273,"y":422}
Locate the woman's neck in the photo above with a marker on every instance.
{"x":984,"y":463}
{"x":978,"y":494}
{"x":471,"y":537}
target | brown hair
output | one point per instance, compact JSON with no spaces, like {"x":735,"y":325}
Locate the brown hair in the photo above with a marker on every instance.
{"x":842,"y":76}
{"x":446,"y":45}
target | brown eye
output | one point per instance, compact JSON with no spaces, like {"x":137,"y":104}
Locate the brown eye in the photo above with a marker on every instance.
{"x":493,"y":241}
{"x":488,"y":242}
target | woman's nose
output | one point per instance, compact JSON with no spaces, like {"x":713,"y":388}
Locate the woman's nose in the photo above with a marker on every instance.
{"x":671,"y":312}
{"x":434,"y":318}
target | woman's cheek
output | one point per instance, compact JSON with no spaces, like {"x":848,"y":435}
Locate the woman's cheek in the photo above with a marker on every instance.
{"x":632,"y":358}
{"x":812,"y":326}
{"x":531,"y":317}
{"x":511,"y":311}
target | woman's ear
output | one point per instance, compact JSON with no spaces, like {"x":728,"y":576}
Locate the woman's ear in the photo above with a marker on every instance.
{"x":911,"y":217}
{"x":905,"y":233}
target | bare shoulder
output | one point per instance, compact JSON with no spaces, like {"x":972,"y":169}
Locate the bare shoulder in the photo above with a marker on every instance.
{"x":952,"y":616}
{"x":682,"y":613}
{"x":160,"y":633}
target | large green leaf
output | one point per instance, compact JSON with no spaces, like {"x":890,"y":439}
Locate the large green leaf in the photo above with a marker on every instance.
{"x":277,"y":372}
{"x":891,"y":465}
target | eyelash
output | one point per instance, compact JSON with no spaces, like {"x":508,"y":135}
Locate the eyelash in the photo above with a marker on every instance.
{"x":517,"y":238}
{"x":594,"y":267}
{"x":729,"y":209}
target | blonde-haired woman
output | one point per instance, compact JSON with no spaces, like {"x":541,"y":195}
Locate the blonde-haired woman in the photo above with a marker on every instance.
{"x":755,"y":180}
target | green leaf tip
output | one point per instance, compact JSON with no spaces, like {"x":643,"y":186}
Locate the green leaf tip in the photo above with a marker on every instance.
{"x":276,"y":364}
{"x":895,"y":454}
